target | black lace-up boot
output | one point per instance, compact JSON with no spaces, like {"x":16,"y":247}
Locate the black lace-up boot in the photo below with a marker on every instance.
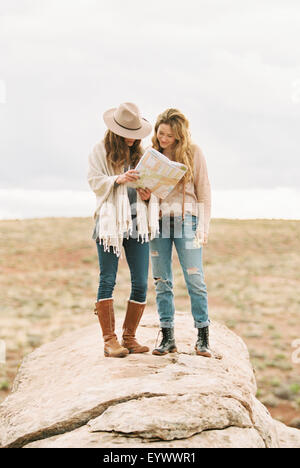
{"x":167,"y":344}
{"x":202,"y":344}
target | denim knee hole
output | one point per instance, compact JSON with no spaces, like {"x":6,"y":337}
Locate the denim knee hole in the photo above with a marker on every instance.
{"x":154,"y":253}
{"x":193,"y":271}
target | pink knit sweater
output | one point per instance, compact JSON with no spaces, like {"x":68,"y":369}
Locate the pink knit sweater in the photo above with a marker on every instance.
{"x":196,"y":193}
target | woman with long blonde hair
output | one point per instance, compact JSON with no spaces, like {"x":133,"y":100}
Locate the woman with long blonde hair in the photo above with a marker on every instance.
{"x":184,"y":222}
{"x":124,"y":217}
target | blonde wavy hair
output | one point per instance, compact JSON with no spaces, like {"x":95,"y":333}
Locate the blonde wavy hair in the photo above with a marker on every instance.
{"x":118,"y":153}
{"x":183,"y":150}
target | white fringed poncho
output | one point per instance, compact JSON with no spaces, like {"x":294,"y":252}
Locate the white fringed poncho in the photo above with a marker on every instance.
{"x":113,"y":208}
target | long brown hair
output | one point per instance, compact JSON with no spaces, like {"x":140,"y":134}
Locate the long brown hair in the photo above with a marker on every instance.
{"x":183,"y":150}
{"x":118,"y":153}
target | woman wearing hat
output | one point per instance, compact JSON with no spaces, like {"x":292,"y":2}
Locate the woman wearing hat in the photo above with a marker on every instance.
{"x":184,"y":222}
{"x":124,"y":217}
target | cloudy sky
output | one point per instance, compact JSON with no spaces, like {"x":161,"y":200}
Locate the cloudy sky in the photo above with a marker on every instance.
{"x":232,"y":66}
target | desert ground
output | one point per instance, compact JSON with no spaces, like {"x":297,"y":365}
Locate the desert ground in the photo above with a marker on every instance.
{"x":49,"y":278}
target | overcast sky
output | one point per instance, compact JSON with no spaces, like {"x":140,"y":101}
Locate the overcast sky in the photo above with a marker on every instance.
{"x":231,"y":66}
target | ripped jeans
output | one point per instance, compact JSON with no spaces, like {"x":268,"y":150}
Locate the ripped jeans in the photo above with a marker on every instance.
{"x":181,"y":233}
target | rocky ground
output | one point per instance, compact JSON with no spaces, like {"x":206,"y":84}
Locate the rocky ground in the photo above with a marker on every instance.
{"x":49,"y":275}
{"x":67,"y":395}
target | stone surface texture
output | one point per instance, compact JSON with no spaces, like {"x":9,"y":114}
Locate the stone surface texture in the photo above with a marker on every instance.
{"x":67,"y":394}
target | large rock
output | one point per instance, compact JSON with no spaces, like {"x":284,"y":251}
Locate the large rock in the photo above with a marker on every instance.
{"x":67,"y":394}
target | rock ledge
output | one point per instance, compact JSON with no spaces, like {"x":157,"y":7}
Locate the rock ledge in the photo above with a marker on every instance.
{"x":67,"y":394}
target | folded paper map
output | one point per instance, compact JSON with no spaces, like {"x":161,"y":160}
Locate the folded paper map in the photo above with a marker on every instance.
{"x":158,"y":173}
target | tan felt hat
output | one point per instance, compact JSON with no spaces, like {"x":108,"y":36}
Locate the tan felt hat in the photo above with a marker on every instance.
{"x":126,"y":121}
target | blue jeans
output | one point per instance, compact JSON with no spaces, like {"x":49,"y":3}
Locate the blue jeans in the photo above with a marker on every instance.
{"x":181,"y":233}
{"x":137,"y":256}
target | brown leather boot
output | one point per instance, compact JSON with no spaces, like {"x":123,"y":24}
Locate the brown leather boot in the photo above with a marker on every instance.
{"x":105,"y":311}
{"x":133,"y":316}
